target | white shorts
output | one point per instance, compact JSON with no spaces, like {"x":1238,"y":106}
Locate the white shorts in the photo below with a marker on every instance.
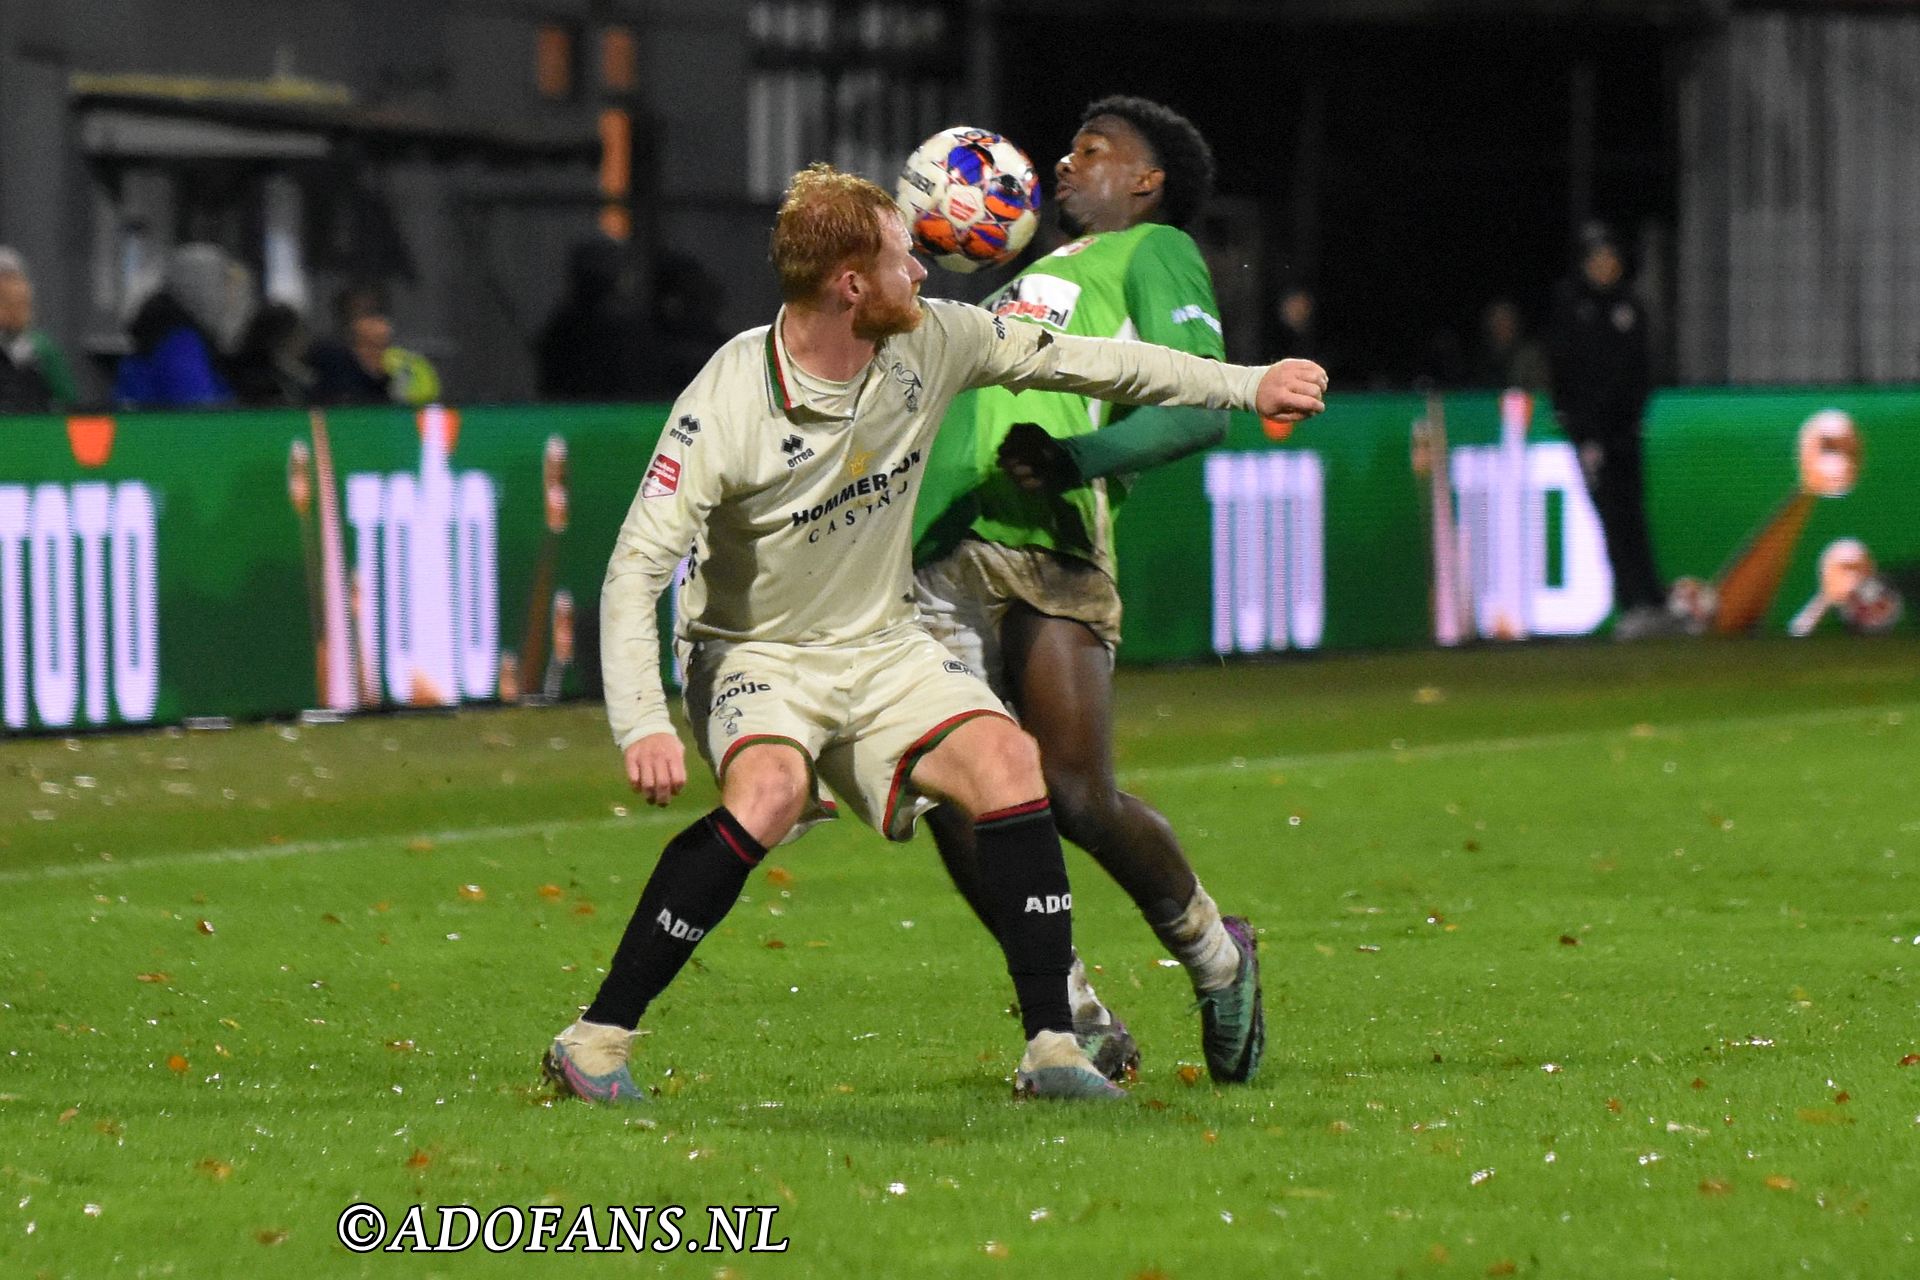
{"x":862,"y":715}
{"x":964,"y":598}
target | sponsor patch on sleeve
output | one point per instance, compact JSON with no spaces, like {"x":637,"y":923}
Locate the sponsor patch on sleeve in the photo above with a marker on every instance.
{"x":663,"y":478}
{"x":1194,"y":311}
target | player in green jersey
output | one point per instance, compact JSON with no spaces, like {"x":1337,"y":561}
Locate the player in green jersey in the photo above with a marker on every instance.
{"x":1014,"y":543}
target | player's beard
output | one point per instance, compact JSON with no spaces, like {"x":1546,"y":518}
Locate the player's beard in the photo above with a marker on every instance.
{"x":1070,"y":224}
{"x":875,"y":319}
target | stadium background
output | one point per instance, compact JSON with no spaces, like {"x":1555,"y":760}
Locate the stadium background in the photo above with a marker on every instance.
{"x":1411,"y":162}
{"x":1409,"y":158}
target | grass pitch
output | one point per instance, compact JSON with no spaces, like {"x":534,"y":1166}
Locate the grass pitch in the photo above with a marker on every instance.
{"x":1580,"y":961}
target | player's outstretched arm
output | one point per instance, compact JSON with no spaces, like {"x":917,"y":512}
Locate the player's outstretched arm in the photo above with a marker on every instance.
{"x":1292,"y":390}
{"x":657,"y":767}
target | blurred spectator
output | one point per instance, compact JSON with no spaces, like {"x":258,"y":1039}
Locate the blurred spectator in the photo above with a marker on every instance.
{"x":1601,"y":380}
{"x":1507,"y":356}
{"x":363,"y":366}
{"x":34,"y":377}
{"x":593,"y":343}
{"x":687,"y":301}
{"x":181,"y":330}
{"x":270,"y":368}
{"x":1299,"y":336}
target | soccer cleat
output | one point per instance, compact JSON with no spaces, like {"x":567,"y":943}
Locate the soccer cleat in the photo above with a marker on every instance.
{"x":1054,"y":1067}
{"x":614,"y":1087}
{"x":1110,"y":1047}
{"x":1233,"y":1024}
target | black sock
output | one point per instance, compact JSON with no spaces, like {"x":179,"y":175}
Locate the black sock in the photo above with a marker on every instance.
{"x":1023,"y":876}
{"x":698,"y":877}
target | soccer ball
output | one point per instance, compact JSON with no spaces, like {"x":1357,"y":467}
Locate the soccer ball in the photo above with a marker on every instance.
{"x":970,"y":198}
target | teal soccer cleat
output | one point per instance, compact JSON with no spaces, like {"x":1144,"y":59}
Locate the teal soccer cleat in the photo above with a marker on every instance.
{"x":1233,"y":1023}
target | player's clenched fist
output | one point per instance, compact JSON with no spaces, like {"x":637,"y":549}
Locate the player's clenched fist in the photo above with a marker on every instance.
{"x":1292,"y":390}
{"x":657,"y":767}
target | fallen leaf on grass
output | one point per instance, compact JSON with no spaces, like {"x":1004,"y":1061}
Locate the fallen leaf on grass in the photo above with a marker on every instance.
{"x":779,"y":877}
{"x":1439,"y":1255}
{"x":583,"y":908}
{"x":551,"y":891}
{"x":1209,"y":1137}
{"x":419,"y":1159}
{"x":1337,"y":1127}
{"x":1568,"y":940}
{"x":994,"y":1249}
{"x":472,"y":893}
{"x":420,"y":846}
{"x":177,"y":1064}
{"x":270,"y":1236}
{"x":68,"y":1114}
{"x":1715,"y":1187}
{"x":774,"y":944}
{"x":400,"y":1046}
{"x":1823,"y":1115}
{"x":1503,"y":1267}
{"x":218,"y":1170}
{"x":1188,"y":1073}
{"x":1911,"y":1060}
{"x":1615,"y":1105}
{"x":1842,"y":1098}
{"x":153,"y":977}
{"x":1698,"y":1083}
{"x":330,"y":918}
{"x":1780,"y":1182}
{"x":206,"y":927}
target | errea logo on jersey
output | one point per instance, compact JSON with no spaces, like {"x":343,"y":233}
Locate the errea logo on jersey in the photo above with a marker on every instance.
{"x":1194,"y":311}
{"x":797,"y":451}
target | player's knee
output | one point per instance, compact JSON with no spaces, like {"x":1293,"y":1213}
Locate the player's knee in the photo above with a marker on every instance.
{"x":1009,"y":770}
{"x":766,"y":791}
{"x":1086,"y":808}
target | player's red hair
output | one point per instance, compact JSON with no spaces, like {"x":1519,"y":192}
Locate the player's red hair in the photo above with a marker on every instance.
{"x":828,"y":220}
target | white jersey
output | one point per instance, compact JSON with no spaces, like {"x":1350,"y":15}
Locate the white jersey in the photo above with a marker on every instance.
{"x":799,"y":519}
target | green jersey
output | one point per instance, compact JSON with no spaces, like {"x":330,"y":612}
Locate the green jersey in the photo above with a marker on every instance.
{"x":1147,"y":283}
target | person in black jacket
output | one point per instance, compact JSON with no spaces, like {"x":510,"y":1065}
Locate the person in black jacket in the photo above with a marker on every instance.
{"x":1601,"y":380}
{"x":593,"y":344}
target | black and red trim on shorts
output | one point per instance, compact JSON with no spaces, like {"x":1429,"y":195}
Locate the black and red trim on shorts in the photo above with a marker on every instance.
{"x":921,"y":746}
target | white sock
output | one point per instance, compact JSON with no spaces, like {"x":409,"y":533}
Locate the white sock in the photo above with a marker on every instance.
{"x":597,"y":1047}
{"x":1087,"y":1009}
{"x":1201,"y":943}
{"x":1053,"y":1049}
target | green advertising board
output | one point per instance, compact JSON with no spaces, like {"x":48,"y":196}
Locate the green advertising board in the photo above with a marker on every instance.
{"x":156,"y":567}
{"x":159,"y":567}
{"x":1777,"y":511}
